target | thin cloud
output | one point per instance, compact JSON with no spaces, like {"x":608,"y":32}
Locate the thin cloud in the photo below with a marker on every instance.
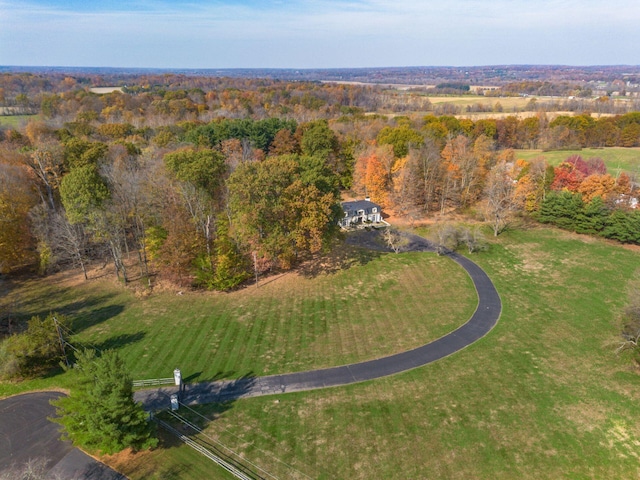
{"x":386,"y":32}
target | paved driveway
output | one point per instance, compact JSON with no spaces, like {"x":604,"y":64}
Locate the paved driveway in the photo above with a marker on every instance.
{"x":27,"y":436}
{"x":483,"y":320}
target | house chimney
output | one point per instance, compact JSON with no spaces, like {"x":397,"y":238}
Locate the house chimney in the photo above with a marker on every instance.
{"x":367,"y":199}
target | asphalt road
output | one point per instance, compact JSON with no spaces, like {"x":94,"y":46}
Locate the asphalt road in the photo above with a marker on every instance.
{"x":483,"y":320}
{"x":26,"y":435}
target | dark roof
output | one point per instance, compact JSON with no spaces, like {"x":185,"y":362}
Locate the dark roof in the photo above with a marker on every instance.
{"x":365,"y":205}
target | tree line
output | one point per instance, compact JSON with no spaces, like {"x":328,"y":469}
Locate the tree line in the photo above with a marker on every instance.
{"x":235,"y":196}
{"x":212,"y":202}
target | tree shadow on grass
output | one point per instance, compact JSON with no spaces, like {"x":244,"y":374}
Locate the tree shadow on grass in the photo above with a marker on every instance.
{"x":95,"y":316}
{"x":344,"y":256}
{"x":118,"y":341}
{"x":82,"y":313}
{"x":191,"y":377}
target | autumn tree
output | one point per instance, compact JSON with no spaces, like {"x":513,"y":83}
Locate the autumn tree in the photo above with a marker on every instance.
{"x":200,"y":175}
{"x":534,"y":180}
{"x":284,"y":207}
{"x":422,"y":179}
{"x":34,"y":351}
{"x":462,"y":181}
{"x":373,"y":174}
{"x":401,"y":138}
{"x":596,"y":185}
{"x":567,"y":176}
{"x":46,"y":163}
{"x":16,"y":200}
{"x":284,"y":143}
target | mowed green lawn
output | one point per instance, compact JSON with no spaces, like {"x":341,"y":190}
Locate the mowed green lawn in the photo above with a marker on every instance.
{"x":616,"y":159}
{"x":543,"y":396}
{"x":15,"y":121}
{"x":371,"y":306}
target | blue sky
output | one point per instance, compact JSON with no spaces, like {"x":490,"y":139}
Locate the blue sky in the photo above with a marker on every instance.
{"x":317,"y":33}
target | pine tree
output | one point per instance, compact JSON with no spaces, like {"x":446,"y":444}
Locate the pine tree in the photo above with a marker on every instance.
{"x":623,"y":226}
{"x":100,"y":413}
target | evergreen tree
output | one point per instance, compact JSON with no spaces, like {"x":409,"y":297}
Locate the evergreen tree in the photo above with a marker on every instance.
{"x":100,"y":413}
{"x":561,"y":209}
{"x":593,"y":217}
{"x":623,"y":226}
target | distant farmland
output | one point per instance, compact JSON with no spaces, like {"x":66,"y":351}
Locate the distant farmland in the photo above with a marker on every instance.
{"x":105,"y":90}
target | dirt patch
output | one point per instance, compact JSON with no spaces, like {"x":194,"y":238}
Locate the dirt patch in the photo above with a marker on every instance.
{"x":585,"y":416}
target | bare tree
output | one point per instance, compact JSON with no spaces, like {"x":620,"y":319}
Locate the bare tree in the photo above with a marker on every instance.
{"x":631,"y":319}
{"x":69,"y":242}
{"x":500,"y":199}
{"x":425,"y":166}
{"x":446,"y":237}
{"x":394,"y":239}
{"x":46,"y":163}
{"x":132,"y":204}
{"x":472,"y":238}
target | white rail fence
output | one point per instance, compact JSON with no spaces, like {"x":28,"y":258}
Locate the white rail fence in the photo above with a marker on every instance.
{"x":204,"y":451}
{"x":154,"y":381}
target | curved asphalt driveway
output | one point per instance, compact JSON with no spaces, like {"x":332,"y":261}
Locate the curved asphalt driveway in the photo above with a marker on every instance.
{"x":483,"y":320}
{"x":27,"y":436}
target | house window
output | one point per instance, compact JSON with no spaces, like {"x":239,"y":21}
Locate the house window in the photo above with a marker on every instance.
{"x":374,"y":209}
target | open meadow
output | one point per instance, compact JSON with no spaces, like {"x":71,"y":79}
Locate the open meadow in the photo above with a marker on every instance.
{"x":15,"y":121}
{"x":508,"y":104}
{"x":617,"y":159}
{"x":542,"y":396}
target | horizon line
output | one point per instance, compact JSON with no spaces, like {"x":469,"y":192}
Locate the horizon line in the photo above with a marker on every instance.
{"x":502,"y":65}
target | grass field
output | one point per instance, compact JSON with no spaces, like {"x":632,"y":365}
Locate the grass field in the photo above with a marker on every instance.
{"x":376,"y":306}
{"x":15,"y":121}
{"x":616,"y":158}
{"x":543,"y":396}
{"x":508,"y":103}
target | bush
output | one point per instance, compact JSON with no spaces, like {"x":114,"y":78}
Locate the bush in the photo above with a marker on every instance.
{"x":34,"y":351}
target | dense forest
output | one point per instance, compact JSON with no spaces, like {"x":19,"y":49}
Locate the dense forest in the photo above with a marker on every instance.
{"x":205,"y":181}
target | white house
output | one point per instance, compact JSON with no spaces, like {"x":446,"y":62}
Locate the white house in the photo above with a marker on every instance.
{"x":359,"y":212}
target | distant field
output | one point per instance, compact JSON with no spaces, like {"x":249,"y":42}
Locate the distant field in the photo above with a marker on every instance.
{"x":508,"y":103}
{"x":104,"y":90}
{"x":617,"y":159}
{"x":15,"y":121}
